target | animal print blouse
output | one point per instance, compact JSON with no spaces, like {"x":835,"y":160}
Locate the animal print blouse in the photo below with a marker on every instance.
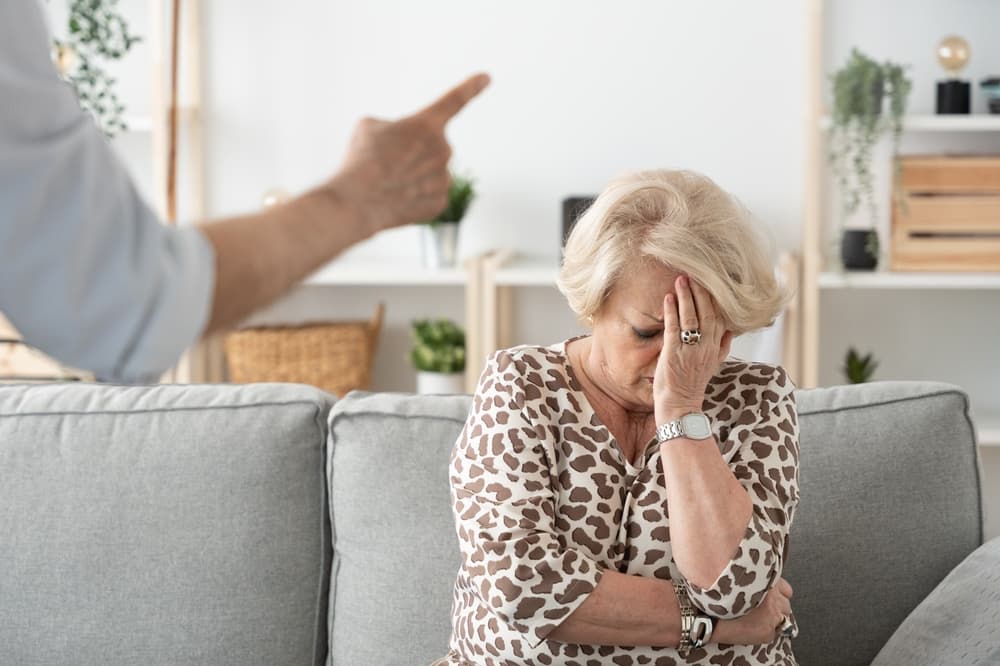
{"x":544,"y":502}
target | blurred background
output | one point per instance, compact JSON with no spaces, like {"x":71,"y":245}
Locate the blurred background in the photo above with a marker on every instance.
{"x":741,"y":91}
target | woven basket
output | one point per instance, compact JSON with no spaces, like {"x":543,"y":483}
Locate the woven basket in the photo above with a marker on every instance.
{"x":334,"y":356}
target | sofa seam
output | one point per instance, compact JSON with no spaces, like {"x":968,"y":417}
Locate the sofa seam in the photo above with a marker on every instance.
{"x":158,"y":410}
{"x":892,"y":401}
{"x":397,"y":415}
{"x":320,"y":623}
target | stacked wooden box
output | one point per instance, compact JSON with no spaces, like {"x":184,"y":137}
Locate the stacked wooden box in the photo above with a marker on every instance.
{"x":946,"y":214}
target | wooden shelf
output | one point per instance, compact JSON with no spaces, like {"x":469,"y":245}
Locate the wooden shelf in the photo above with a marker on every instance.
{"x":389,"y":272}
{"x":527,"y":272}
{"x":975,"y":122}
{"x":891,"y":280}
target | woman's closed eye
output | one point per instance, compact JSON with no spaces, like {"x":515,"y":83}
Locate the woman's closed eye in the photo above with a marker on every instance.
{"x":646,"y":334}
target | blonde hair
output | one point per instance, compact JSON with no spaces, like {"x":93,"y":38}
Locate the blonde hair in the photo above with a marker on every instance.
{"x":685,"y":221}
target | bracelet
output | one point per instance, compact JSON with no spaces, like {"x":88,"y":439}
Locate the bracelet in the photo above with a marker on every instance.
{"x":701,"y":630}
{"x":687,"y":619}
{"x":696,"y":629}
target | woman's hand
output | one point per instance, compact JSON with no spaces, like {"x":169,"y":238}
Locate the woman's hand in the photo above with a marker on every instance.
{"x":683,"y":370}
{"x":761,"y":624}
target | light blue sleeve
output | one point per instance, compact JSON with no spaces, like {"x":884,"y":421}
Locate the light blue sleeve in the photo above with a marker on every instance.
{"x":87,"y":272}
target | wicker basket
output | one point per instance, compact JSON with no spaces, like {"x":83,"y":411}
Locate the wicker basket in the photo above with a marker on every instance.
{"x":334,"y":356}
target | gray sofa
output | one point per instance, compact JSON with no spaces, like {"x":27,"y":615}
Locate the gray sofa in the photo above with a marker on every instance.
{"x":265,"y":524}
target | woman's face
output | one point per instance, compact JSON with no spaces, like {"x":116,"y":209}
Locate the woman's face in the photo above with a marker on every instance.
{"x":628,"y":334}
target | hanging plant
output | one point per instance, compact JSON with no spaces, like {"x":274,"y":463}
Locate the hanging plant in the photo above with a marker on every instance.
{"x":858,"y":123}
{"x":97,"y":33}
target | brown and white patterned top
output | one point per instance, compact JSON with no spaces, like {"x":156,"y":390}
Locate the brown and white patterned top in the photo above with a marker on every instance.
{"x":544,"y":502}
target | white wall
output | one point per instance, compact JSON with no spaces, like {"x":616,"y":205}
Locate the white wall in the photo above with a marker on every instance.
{"x":581,"y":92}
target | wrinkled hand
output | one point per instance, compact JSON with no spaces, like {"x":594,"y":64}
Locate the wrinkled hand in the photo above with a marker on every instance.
{"x":760,"y":625}
{"x":396,"y":172}
{"x":683,"y":370}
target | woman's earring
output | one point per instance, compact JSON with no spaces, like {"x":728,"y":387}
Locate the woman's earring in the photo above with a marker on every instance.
{"x":590,"y":319}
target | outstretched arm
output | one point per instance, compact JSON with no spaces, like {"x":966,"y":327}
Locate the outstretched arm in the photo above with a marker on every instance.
{"x":395,"y":173}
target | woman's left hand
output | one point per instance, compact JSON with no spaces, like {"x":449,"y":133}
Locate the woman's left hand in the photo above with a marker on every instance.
{"x":683,"y":370}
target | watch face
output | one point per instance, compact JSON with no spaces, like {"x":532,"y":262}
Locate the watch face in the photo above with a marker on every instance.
{"x":696,"y":426}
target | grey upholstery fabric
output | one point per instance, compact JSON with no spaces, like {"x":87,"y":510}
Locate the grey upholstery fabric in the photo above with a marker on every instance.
{"x":890,"y":504}
{"x":163,"y":525}
{"x":959,"y":623}
{"x":395,"y":549}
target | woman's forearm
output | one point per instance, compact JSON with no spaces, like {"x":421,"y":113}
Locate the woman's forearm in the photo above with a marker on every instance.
{"x":629,"y":610}
{"x":624,"y":610}
{"x":709,"y":509}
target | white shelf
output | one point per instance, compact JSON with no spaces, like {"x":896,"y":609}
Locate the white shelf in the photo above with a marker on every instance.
{"x":890,"y":280}
{"x":389,"y":272}
{"x":975,"y":122}
{"x":527,"y":272}
{"x":987,"y":428}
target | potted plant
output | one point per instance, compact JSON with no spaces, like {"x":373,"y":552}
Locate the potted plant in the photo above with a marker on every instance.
{"x":860,"y":90}
{"x":440,"y":235}
{"x":858,"y":369}
{"x":438,"y":355}
{"x":96,"y":32}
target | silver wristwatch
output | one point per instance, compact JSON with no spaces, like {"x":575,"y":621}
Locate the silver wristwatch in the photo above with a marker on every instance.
{"x":693,"y":426}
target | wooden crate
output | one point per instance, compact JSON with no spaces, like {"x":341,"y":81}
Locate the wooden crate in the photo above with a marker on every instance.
{"x":946,"y":214}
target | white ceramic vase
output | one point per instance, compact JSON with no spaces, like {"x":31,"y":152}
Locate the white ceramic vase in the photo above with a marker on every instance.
{"x":440,"y":382}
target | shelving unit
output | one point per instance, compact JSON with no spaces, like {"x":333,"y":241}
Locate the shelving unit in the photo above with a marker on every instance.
{"x":893,"y":280}
{"x":980,"y":122}
{"x":408,"y":272}
{"x":524,"y":271}
{"x":819,"y":277}
{"x":387,"y":273}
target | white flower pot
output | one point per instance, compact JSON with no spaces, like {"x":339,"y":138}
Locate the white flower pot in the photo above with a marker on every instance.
{"x":440,"y":243}
{"x":440,"y":382}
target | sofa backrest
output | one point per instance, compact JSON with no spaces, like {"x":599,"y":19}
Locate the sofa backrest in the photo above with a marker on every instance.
{"x":163,"y":525}
{"x":890,"y":503}
{"x":395,"y":549}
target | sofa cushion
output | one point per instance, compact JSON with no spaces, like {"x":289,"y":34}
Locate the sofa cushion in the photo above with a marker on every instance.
{"x":958,"y":622}
{"x":395,"y":549}
{"x":163,"y":525}
{"x":890,"y":504}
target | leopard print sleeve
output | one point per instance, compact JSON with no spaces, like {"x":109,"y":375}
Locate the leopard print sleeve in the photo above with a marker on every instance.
{"x":762,"y":448}
{"x":512,"y":557}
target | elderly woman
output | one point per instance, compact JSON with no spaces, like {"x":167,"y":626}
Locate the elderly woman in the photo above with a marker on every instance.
{"x":625,"y":497}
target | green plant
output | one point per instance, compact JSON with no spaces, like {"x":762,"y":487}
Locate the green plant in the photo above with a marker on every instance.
{"x":858,"y":369}
{"x":438,"y":346}
{"x":872,"y":245}
{"x":460,"y":196}
{"x":97,"y":32}
{"x":858,"y":122}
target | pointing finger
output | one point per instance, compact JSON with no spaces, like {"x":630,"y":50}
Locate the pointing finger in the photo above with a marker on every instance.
{"x":453,"y":101}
